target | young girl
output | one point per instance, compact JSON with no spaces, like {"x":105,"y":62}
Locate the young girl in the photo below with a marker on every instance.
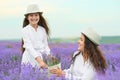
{"x":87,"y":60}
{"x":34,"y":33}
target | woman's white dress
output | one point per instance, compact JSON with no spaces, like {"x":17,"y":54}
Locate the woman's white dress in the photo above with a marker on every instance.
{"x":80,"y":70}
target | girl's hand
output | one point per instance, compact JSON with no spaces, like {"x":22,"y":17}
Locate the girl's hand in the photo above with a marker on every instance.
{"x":41,"y":62}
{"x":43,"y":65}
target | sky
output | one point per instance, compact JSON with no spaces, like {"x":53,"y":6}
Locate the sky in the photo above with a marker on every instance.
{"x":65,"y":18}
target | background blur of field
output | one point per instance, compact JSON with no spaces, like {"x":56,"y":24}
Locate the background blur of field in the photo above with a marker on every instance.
{"x":105,"y":40}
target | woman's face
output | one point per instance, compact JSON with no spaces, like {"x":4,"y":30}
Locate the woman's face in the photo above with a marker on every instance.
{"x":81,"y":43}
{"x":33,"y":18}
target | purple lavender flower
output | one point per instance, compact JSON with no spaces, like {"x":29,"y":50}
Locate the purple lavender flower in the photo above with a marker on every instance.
{"x":11,"y":68}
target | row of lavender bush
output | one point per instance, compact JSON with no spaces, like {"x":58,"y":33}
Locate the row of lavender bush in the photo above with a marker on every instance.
{"x":10,"y":62}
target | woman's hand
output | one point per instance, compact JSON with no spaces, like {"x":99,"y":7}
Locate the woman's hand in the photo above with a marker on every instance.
{"x":57,"y":71}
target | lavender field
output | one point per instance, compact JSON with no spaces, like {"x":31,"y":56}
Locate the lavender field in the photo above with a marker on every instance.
{"x":10,"y":59}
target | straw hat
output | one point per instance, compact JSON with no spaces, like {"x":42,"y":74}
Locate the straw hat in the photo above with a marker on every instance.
{"x":92,"y":35}
{"x":32,"y":8}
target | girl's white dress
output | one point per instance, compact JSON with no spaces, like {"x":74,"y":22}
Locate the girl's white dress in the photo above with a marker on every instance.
{"x":35,"y":44}
{"x":80,"y":70}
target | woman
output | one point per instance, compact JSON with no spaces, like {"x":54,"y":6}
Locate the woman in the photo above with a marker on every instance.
{"x":87,"y":60}
{"x":34,"y":33}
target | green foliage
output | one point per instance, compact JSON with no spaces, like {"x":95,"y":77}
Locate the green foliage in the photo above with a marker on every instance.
{"x":14,"y":58}
{"x":104,"y":40}
{"x":53,"y":61}
{"x":9,"y":46}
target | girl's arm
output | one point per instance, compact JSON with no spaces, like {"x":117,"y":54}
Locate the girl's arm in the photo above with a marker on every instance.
{"x":28,"y":46}
{"x":47,"y":49}
{"x":41,"y":62}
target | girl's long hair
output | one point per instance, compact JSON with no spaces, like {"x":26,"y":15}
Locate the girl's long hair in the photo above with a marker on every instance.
{"x":42,"y":22}
{"x":94,"y":54}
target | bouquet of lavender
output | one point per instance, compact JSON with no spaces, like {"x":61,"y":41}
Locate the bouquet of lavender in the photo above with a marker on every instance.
{"x":52,"y":62}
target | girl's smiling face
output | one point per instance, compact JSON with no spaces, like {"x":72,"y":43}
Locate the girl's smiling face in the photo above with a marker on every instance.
{"x":33,"y":18}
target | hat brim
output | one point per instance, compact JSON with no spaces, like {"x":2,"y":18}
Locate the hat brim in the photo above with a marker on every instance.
{"x":32,"y":13}
{"x":90,"y":39}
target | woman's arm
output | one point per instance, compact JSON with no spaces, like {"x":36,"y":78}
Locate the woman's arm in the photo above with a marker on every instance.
{"x":67,"y":73}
